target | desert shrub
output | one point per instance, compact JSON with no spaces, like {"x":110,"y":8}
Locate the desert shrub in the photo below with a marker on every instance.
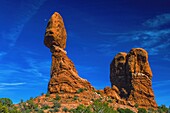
{"x":45,"y":107}
{"x":57,"y":105}
{"x":136,"y":105}
{"x":96,"y":107}
{"x":81,"y":109}
{"x":99,"y":107}
{"x":47,"y":94}
{"x":120,"y":110}
{"x":162,"y":109}
{"x":65,"y":109}
{"x":142,"y":110}
{"x":75,"y":97}
{"x":13,"y":110}
{"x":6,"y":101}
{"x":31,"y":98}
{"x":110,"y":101}
{"x":3,"y":109}
{"x":6,"y":106}
{"x":57,"y":97}
{"x":151,"y":110}
{"x":40,"y":111}
{"x":80,"y":90}
{"x":28,"y":111}
{"x":98,"y":92}
{"x":31,"y":104}
{"x":56,"y":110}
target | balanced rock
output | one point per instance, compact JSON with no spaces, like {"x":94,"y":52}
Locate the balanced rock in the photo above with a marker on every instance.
{"x":64,"y":77}
{"x":132,"y":75}
{"x":55,"y":32}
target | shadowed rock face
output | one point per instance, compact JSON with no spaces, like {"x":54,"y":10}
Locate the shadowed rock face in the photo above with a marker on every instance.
{"x":117,"y":68}
{"x":64,"y":77}
{"x":132,"y":75}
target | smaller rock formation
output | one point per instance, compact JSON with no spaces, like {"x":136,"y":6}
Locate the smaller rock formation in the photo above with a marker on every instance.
{"x":64,"y":77}
{"x":131,"y":74}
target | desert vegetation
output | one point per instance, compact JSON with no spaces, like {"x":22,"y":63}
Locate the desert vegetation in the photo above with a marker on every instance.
{"x":30,"y":106}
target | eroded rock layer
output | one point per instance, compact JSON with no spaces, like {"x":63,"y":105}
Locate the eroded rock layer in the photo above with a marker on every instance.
{"x":132,"y":75}
{"x":64,"y":77}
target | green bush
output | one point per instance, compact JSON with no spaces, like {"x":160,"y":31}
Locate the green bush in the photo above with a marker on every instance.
{"x":80,"y":90}
{"x":56,"y":110}
{"x":136,"y":105}
{"x":4,"y":109}
{"x":47,"y":94}
{"x":57,"y":105}
{"x":57,"y":97}
{"x":99,"y":107}
{"x":142,"y":110}
{"x":40,"y":111}
{"x":45,"y":107}
{"x":6,"y":106}
{"x":81,"y":109}
{"x":6,"y":101}
{"x":162,"y":109}
{"x":65,"y":109}
{"x":75,"y":97}
{"x":110,"y":101}
{"x":120,"y":110}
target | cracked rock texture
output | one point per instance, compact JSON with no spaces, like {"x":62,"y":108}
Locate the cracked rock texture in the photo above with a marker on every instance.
{"x":132,"y":75}
{"x":64,"y":77}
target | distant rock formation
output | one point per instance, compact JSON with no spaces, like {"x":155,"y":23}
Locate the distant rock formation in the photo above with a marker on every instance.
{"x":131,"y":74}
{"x":64,"y":77}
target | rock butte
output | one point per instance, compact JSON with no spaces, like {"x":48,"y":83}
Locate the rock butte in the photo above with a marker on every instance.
{"x":130,"y":73}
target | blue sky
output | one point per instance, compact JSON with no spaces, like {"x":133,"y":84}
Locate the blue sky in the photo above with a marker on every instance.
{"x":97,"y":31}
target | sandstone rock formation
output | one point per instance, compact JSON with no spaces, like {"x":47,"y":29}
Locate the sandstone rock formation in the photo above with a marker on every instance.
{"x":64,"y":77}
{"x":131,"y":74}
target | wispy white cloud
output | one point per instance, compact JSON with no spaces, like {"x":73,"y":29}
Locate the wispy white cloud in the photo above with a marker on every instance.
{"x":2,"y":54}
{"x":12,"y":84}
{"x":159,"y":84}
{"x":154,"y":41}
{"x":25,"y":12}
{"x":35,"y":72}
{"x":158,"y":21}
{"x":84,"y":68}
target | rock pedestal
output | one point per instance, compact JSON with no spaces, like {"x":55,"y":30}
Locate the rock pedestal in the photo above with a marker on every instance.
{"x":64,"y":77}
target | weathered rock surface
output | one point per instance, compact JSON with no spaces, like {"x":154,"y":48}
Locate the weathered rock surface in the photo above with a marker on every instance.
{"x":132,"y":75}
{"x":64,"y":77}
{"x":55,"y":32}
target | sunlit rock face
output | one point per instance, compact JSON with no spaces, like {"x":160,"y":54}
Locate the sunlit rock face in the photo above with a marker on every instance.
{"x":55,"y":34}
{"x":64,"y":77}
{"x":132,"y":75}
